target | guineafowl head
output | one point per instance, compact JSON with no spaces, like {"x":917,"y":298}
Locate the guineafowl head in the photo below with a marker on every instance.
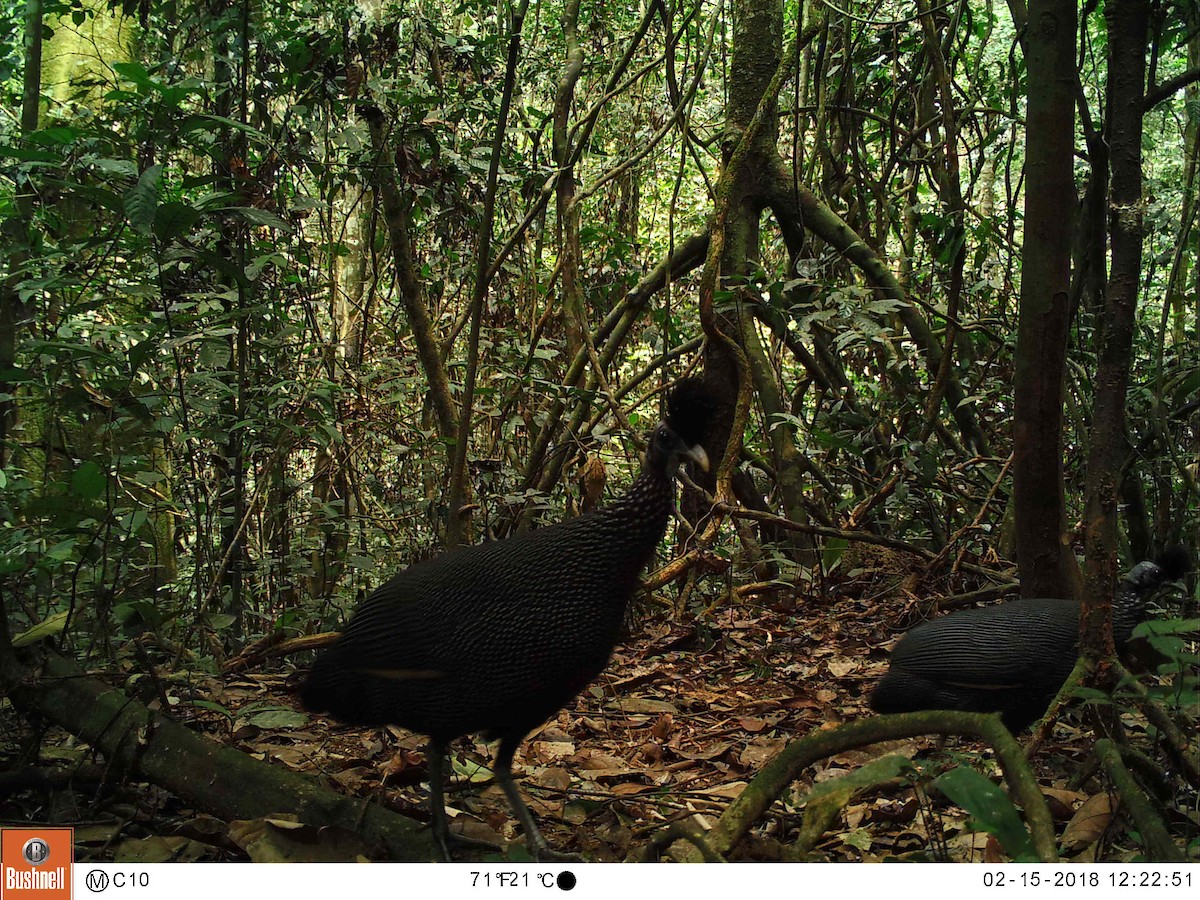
{"x":677,"y":438}
{"x":1135,"y":590}
{"x":1172,"y":564}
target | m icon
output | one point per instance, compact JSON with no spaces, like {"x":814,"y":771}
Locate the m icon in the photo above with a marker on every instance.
{"x":96,"y":881}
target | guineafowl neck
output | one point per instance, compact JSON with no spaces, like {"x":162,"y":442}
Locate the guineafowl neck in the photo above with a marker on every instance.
{"x":639,"y":517}
{"x":1128,"y":609}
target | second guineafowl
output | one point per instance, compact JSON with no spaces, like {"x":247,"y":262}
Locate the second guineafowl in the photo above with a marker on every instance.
{"x":498,"y":637}
{"x":1011,"y":658}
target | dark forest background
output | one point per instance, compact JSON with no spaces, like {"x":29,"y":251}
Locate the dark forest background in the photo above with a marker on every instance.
{"x":297,"y":294}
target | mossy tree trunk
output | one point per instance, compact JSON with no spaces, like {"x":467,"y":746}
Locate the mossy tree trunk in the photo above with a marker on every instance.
{"x":15,"y":231}
{"x":757,"y":52}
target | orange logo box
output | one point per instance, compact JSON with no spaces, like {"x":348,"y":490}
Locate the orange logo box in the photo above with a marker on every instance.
{"x":35,"y":863}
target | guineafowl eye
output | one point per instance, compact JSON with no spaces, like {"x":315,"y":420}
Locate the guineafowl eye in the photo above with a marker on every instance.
{"x":670,"y":450}
{"x":1011,"y":658}
{"x":497,"y":637}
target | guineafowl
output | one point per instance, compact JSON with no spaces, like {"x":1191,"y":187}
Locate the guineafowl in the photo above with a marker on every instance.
{"x":498,"y":637}
{"x":1011,"y":658}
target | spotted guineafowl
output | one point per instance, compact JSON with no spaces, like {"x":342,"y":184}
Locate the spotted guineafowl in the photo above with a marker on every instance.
{"x":1011,"y":658}
{"x":498,"y":637}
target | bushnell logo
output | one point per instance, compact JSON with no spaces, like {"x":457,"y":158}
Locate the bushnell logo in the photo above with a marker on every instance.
{"x":35,"y":864}
{"x":36,"y":851}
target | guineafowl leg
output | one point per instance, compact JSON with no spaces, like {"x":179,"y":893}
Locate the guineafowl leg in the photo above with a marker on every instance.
{"x":435,"y":755}
{"x":537,"y":845}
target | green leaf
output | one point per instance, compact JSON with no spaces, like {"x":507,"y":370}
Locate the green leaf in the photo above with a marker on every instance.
{"x":60,"y":135}
{"x":26,"y":154}
{"x":832,"y":555}
{"x":141,"y":201}
{"x":138,"y":613}
{"x":470,"y":771}
{"x":48,"y":627}
{"x":859,"y":838}
{"x":1167,"y":626}
{"x":60,"y":551}
{"x":212,"y":707}
{"x":991,"y":809}
{"x":89,"y":481}
{"x":260,"y":217}
{"x":279,"y":718}
{"x":134,"y":72}
{"x":138,"y":352}
{"x":205,"y":121}
{"x":171,"y":220}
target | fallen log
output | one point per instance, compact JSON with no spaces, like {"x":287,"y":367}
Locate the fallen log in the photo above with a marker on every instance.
{"x":142,"y":744}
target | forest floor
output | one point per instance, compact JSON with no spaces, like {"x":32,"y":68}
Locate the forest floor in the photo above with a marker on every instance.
{"x":677,"y":724}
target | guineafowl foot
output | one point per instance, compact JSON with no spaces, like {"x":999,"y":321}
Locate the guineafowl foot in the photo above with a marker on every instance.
{"x":538,"y":848}
{"x":460,"y":843}
{"x":545,"y":854}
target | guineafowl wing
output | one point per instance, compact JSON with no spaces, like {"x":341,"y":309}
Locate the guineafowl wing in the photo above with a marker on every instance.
{"x":998,"y":647}
{"x":492,"y":637}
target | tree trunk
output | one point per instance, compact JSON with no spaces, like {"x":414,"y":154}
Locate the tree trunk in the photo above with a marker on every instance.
{"x":458,"y":521}
{"x":16,"y":229}
{"x":397,"y":215}
{"x":1044,"y":556}
{"x":1127,"y":21}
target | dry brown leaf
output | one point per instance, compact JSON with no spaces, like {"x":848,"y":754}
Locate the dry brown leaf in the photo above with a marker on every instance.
{"x":1066,"y":798}
{"x":730,"y":791}
{"x":761,"y":750}
{"x":629,"y":788}
{"x":992,"y":851}
{"x":840,"y":668}
{"x":352,"y":779}
{"x":595,"y":759}
{"x":1061,"y":803}
{"x":549,"y":751}
{"x":158,"y":849}
{"x":1089,"y":822}
{"x":644,"y":705}
{"x":555,"y":777}
{"x":293,"y":759}
{"x":615,"y":772}
{"x":661,"y":730}
{"x":712,"y":751}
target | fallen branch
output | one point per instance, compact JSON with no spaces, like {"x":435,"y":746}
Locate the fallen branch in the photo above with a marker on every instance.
{"x":774,"y":778}
{"x":1155,"y":839}
{"x":142,"y":744}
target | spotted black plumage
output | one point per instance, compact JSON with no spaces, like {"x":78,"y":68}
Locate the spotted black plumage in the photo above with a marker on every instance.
{"x":1011,"y":658}
{"x":498,"y":637}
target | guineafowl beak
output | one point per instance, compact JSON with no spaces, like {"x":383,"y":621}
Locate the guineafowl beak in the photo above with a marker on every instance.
{"x":698,"y":456}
